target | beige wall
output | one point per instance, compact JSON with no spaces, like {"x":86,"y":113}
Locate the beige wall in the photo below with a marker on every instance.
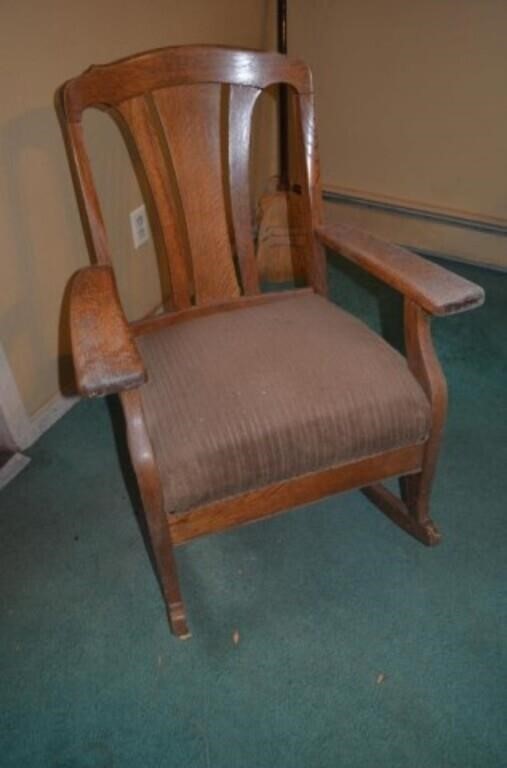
{"x":41,"y":242}
{"x":412,"y":107}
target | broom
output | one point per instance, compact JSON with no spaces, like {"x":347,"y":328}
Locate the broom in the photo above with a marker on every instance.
{"x":280,"y":243}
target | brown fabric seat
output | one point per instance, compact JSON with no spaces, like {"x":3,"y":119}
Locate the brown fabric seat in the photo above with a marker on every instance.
{"x":238,"y":400}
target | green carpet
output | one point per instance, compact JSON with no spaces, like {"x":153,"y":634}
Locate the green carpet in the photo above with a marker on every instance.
{"x":357,"y":645}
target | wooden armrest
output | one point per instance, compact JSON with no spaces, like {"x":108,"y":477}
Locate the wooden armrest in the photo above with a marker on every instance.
{"x":105,"y":355}
{"x":433,"y":288}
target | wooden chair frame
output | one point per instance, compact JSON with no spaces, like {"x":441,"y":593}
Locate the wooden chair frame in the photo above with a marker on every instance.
{"x":105,"y":355}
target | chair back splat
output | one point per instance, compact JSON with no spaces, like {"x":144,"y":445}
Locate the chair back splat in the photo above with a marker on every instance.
{"x":187,"y":112}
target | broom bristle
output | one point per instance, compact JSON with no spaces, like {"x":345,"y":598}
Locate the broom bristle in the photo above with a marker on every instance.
{"x":280,"y":244}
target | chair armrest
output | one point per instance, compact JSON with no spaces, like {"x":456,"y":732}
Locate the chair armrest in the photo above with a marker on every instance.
{"x":433,"y":288}
{"x":105,"y":356}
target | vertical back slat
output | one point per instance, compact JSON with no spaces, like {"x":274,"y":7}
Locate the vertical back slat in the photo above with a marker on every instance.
{"x":191,"y":119}
{"x":137,"y":116}
{"x":311,"y":209}
{"x":241,"y":105}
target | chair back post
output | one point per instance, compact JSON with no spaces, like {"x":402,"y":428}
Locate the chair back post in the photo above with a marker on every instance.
{"x":84,"y":185}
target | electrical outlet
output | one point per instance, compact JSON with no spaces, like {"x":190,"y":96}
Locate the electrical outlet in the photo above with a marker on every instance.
{"x":139,"y":226}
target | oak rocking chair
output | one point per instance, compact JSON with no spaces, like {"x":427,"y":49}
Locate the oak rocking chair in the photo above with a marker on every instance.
{"x":240,"y":404}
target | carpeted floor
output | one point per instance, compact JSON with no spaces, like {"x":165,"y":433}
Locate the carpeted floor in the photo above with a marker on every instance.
{"x":357,"y":646}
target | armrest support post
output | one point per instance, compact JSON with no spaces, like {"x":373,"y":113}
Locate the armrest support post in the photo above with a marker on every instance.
{"x":428,"y":289}
{"x":423,"y":362}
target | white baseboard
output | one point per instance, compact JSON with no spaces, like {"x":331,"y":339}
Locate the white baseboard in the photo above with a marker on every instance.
{"x":28,"y":430}
{"x":49,"y":413}
{"x":15,"y":464}
{"x":18,"y":431}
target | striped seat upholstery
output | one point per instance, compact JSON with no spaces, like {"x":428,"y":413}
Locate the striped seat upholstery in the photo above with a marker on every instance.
{"x":238,"y":400}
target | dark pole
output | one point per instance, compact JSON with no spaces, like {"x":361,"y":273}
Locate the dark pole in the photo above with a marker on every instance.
{"x":282,"y":26}
{"x":283,"y":116}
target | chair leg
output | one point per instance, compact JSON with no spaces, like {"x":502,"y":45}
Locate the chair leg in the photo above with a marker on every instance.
{"x":415,"y":491}
{"x":150,"y":488}
{"x":423,"y":529}
{"x":167,"y":572}
{"x":411,"y":511}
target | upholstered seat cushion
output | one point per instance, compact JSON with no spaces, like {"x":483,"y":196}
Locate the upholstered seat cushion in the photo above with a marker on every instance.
{"x":242,"y":399}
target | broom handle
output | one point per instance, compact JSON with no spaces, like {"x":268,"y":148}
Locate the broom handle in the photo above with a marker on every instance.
{"x":283,"y":115}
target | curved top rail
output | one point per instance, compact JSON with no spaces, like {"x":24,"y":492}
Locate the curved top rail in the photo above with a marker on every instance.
{"x":110,"y":84}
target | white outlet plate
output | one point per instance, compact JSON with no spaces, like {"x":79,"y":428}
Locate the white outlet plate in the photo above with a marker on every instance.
{"x":139,"y":226}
